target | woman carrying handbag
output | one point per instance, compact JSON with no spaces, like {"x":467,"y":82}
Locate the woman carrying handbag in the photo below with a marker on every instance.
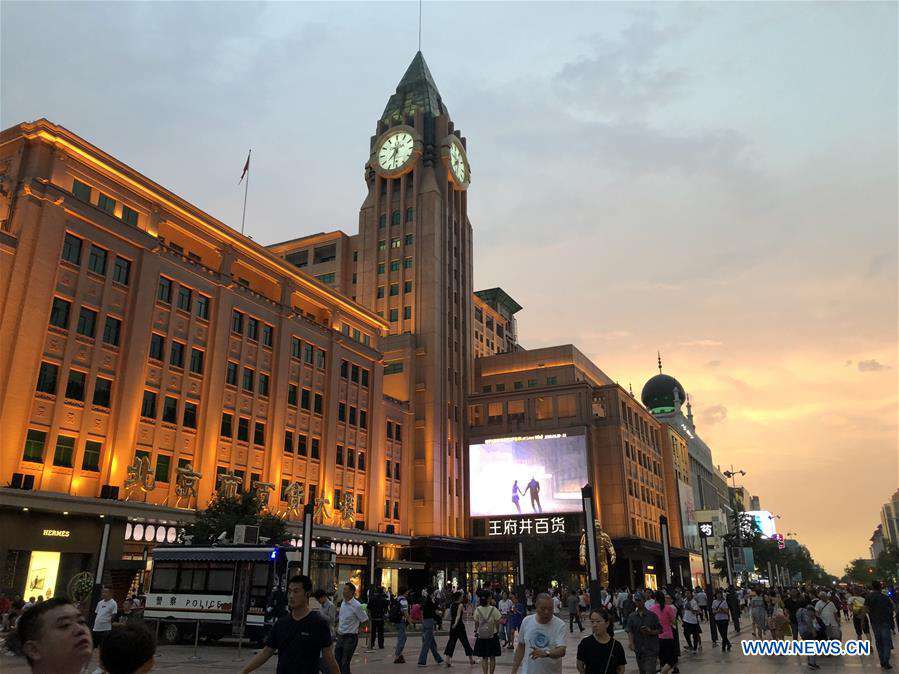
{"x":599,"y":653}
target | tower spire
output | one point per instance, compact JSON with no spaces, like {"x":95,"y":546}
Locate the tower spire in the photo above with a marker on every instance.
{"x":659,"y":354}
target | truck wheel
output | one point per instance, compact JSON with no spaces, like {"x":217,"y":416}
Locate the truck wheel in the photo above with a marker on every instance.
{"x":170,"y":633}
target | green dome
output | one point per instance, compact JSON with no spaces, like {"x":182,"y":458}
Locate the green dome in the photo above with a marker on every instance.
{"x":658,"y":394}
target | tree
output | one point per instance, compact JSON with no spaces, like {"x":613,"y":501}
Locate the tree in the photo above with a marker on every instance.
{"x":545,"y":561}
{"x":888,"y":563}
{"x":861,"y":571}
{"x":222,"y":514}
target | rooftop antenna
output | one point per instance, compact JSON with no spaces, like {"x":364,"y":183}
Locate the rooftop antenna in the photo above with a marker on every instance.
{"x":419,"y":25}
{"x":659,"y":354}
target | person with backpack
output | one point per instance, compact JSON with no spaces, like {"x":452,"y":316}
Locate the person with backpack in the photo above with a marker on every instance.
{"x":457,"y":631}
{"x":398,"y":615}
{"x":486,"y":628}
{"x":377,"y":607}
{"x":806,"y":623}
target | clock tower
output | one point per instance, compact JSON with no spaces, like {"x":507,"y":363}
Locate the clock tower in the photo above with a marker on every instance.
{"x":414,"y":268}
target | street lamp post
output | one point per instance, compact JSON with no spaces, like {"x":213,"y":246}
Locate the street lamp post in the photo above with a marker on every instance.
{"x":732,"y":474}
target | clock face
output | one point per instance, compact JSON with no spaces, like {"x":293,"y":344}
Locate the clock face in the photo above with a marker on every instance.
{"x":457,"y":163}
{"x":395,"y":151}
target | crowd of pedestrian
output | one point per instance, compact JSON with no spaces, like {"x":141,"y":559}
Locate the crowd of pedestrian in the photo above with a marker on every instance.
{"x":320,"y":634}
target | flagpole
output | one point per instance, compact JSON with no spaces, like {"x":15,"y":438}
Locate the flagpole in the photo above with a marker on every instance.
{"x":246,"y":188}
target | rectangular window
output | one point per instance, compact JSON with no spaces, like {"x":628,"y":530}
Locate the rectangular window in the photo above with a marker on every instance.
{"x":305,"y":397}
{"x":176,"y":354}
{"x":227,"y":427}
{"x":363,"y":419}
{"x":190,"y":415}
{"x":202,"y":306}
{"x":243,"y":429}
{"x":394,"y":289}
{"x":352,"y":416}
{"x":196,"y":361}
{"x":339,"y":456}
{"x":253,"y":328}
{"x":387,"y":509}
{"x":320,"y":359}
{"x":380,"y":292}
{"x":382,"y":245}
{"x":263,"y":384}
{"x":494,"y":413}
{"x":268,"y":333}
{"x":148,"y":405}
{"x":325,"y":253}
{"x":544,"y":408}
{"x":532,"y":383}
{"x":361,"y":462}
{"x":105,"y":203}
{"x":248,"y":376}
{"x":163,"y":467}
{"x":295,"y":347}
{"x":75,"y":386}
{"x":121,"y":271}
{"x":81,"y":191}
{"x":231,"y":374}
{"x":326,"y":278}
{"x":35,"y":442}
{"x":301,"y":444}
{"x":317,"y":409}
{"x":47,"y":378}
{"x":364,"y":377}
{"x":237,"y":322}
{"x":394,"y":243}
{"x":91,"y":459}
{"x":354,"y":374}
{"x":381,"y":268}
{"x":65,"y":449}
{"x":566,"y":406}
{"x":394,"y":265}
{"x":407,"y":313}
{"x":102,"y":392}
{"x":59,"y":313}
{"x":314,"y":448}
{"x":409,"y":239}
{"x":407,"y":263}
{"x":292,"y":394}
{"x":157,"y":346}
{"x":358,"y":503}
{"x":129,"y":216}
{"x":407,"y":286}
{"x":164,"y":290}
{"x":96,"y":260}
{"x":170,"y":410}
{"x":350,"y":458}
{"x":396,"y":509}
{"x":71,"y":249}
{"x":344,"y":369}
{"x":341,"y":411}
{"x":308,"y":353}
{"x":87,"y":322}
{"x":552,"y":381}
{"x":298,"y":259}
{"x":112,"y":331}
{"x":184,"y":298}
{"x":259,"y":434}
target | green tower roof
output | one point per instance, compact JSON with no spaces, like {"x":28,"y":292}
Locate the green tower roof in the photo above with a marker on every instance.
{"x":416,"y":91}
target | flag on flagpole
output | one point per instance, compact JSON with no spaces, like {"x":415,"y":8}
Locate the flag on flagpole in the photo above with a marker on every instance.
{"x":246,"y":169}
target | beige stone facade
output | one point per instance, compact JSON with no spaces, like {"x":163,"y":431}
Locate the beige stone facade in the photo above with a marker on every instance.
{"x":134,"y":324}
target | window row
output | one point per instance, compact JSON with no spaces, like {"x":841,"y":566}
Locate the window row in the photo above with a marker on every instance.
{"x":393,"y":513}
{"x":303,"y":444}
{"x":105,"y":203}
{"x":394,"y":431}
{"x":393,"y":315}
{"x":64,"y":452}
{"x":338,"y":500}
{"x":307,"y":400}
{"x":243,"y":429}
{"x":253,"y":328}
{"x":149,"y":409}
{"x":353,"y":419}
{"x":395,"y":474}
{"x":177,"y":352}
{"x":518,"y":385}
{"x":351,"y":458}
{"x":353,"y":372}
{"x":61,"y":316}
{"x":396,"y":218}
{"x":48,"y":382}
{"x":308,"y":352}
{"x":355,"y":333}
{"x":395,"y":265}
{"x":97,"y":259}
{"x":393,"y":289}
{"x":186,"y":299}
{"x":566,"y":406}
{"x":248,"y":380}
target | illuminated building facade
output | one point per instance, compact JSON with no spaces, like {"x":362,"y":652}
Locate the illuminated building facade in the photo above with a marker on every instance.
{"x":151,"y":339}
{"x":558,"y":389}
{"x":495,"y":329}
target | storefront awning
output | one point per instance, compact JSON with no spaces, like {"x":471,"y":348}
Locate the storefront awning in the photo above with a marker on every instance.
{"x":212,"y":554}
{"x":400,"y":564}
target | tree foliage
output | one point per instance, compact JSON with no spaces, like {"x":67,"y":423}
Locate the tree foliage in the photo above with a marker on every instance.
{"x":546,"y":561}
{"x":884,"y":568}
{"x":222,"y":514}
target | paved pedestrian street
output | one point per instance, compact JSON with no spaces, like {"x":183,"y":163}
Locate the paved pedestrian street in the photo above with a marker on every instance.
{"x":223,"y":657}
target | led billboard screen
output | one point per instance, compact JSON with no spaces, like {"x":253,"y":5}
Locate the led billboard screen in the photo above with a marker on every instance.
{"x":525,"y":475}
{"x":764,"y":520}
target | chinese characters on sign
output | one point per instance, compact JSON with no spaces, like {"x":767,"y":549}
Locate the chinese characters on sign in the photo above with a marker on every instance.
{"x":706,"y":529}
{"x":527,"y":526}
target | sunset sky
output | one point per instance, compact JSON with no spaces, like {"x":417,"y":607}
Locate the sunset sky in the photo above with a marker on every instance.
{"x":714,"y":181}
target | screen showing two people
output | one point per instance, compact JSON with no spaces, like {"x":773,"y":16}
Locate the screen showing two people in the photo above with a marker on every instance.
{"x":527,"y":476}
